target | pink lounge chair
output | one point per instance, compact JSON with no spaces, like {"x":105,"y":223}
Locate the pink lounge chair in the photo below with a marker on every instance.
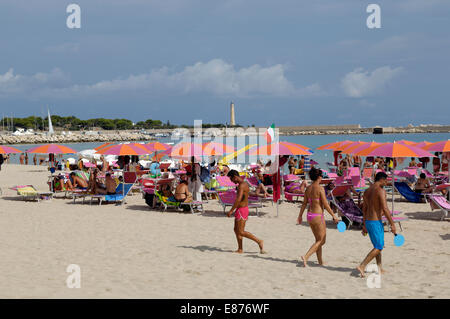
{"x":353,"y":171}
{"x":332,"y":175}
{"x":290,"y":178}
{"x":225,"y":181}
{"x":439,"y":202}
{"x":227,"y":199}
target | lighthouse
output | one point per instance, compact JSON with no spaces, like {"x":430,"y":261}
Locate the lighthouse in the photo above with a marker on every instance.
{"x":232,"y":118}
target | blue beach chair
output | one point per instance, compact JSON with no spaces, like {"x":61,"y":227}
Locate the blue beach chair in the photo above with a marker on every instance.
{"x":406,"y":191}
{"x":122,"y":191}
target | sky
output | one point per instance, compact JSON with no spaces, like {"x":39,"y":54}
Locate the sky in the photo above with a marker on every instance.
{"x":288,"y":62}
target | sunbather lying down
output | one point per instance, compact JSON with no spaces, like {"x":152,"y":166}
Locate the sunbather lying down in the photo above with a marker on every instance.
{"x":296,"y":187}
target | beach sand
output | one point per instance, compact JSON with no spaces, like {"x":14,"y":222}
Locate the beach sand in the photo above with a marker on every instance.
{"x":131,"y":251}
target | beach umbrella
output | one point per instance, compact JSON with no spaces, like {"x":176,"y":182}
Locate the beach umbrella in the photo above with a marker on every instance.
{"x":345,"y":145}
{"x":280,"y":148}
{"x":406,"y":142}
{"x":395,"y":150}
{"x":442,"y":146}
{"x":103,"y":146}
{"x":354,"y":149}
{"x":215,"y":148}
{"x":422,"y":144}
{"x":51,"y":149}
{"x":185,"y":150}
{"x":9,"y":150}
{"x":333,"y":146}
{"x":124,"y":149}
{"x":157,"y":146}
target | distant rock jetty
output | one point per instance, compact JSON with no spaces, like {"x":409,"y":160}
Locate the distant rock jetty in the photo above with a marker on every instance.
{"x":129,"y":136}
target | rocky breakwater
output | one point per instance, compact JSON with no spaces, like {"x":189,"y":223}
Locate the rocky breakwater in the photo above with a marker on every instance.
{"x":76,"y":137}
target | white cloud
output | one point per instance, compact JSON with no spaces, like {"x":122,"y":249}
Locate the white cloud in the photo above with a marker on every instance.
{"x":15,"y":84}
{"x":360,"y":83}
{"x":214,"y":77}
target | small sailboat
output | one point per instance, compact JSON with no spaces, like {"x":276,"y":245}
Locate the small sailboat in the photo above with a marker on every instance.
{"x":50,"y":126}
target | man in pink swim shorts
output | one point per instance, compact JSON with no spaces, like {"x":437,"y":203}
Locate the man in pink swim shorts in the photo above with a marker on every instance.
{"x":241,"y":213}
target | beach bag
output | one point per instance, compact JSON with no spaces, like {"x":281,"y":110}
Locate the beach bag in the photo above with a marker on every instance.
{"x":204,"y":175}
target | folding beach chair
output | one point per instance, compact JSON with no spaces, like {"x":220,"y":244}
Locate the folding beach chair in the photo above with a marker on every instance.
{"x":438,"y":201}
{"x":406,"y":191}
{"x":194,"y":206}
{"x":352,"y":213}
{"x":29,"y":192}
{"x":122,"y":191}
{"x":227,"y":199}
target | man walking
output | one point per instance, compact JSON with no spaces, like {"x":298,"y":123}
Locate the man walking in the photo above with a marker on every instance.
{"x":374,"y":206}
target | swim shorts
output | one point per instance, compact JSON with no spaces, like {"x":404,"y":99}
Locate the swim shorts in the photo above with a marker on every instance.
{"x":376,"y":233}
{"x":241,"y":212}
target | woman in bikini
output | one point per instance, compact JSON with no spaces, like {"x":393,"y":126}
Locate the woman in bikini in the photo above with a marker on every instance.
{"x":315,"y":197}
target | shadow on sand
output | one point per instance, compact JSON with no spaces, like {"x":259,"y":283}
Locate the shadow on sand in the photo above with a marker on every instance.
{"x":432,"y":216}
{"x":207,"y":248}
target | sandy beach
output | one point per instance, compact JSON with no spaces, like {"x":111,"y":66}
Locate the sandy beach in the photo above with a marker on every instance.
{"x":131,"y":251}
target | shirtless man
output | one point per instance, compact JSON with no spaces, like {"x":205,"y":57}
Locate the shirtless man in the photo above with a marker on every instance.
{"x":110,"y":184}
{"x":78,"y":182}
{"x":241,"y":214}
{"x":374,"y":207}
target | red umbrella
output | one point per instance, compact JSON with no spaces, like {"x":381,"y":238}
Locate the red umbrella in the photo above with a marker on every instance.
{"x":280,"y":148}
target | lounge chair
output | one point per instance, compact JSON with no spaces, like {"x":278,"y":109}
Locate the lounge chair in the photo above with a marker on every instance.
{"x":439,"y":202}
{"x":29,"y":192}
{"x":406,"y":191}
{"x":352,"y":213}
{"x":227,"y":199}
{"x":165,"y":203}
{"x":122,"y":191}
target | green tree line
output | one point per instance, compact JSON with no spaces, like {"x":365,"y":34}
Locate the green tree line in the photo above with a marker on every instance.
{"x":72,"y":123}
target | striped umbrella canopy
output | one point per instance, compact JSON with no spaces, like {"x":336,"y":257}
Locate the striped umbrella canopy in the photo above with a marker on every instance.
{"x":345,"y":146}
{"x":354,"y":149}
{"x":333,"y":146}
{"x":8,"y":150}
{"x":280,"y":148}
{"x":442,"y":146}
{"x":51,"y":149}
{"x":395,"y":150}
{"x":157,"y":146}
{"x":185,"y":150}
{"x":406,"y":142}
{"x":215,"y":148}
{"x":124,"y":149}
{"x":422,"y":144}
{"x":103,"y":146}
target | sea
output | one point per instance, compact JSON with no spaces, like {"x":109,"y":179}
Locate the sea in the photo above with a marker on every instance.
{"x":310,"y":141}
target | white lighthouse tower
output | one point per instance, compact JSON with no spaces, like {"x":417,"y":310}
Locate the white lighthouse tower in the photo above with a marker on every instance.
{"x":232,"y":118}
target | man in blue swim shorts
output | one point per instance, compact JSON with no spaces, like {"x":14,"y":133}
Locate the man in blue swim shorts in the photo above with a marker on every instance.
{"x":374,"y":207}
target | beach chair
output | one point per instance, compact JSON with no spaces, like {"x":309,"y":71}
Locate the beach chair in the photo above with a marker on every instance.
{"x":122,"y":191}
{"x":353,"y":214}
{"x":227,"y":199}
{"x":166,"y":203}
{"x":406,"y":191}
{"x":132,"y":178}
{"x":29,"y":192}
{"x":438,"y":201}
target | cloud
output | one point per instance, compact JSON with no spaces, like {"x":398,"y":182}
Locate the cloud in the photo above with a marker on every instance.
{"x":360,"y":83}
{"x":17,"y":85}
{"x":215,"y":77}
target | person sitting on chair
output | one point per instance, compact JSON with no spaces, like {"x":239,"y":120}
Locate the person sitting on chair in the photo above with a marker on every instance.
{"x":423,"y":185}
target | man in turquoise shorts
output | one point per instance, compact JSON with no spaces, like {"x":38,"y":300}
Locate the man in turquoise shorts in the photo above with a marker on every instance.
{"x":374,"y":206}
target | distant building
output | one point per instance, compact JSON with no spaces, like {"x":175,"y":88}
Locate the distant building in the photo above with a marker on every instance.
{"x":232,"y":118}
